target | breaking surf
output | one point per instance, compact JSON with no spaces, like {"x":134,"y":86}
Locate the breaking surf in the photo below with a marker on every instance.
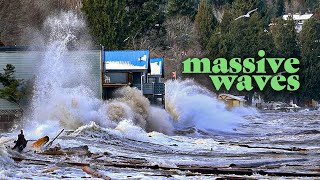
{"x":194,"y":130}
{"x":63,"y":100}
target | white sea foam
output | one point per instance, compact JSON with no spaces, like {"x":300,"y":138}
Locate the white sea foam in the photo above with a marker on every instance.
{"x":245,"y":111}
{"x":6,"y":163}
{"x":64,"y":98}
{"x":193,"y":106}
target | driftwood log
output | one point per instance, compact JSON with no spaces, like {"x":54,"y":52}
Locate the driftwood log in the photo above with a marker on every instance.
{"x":51,"y":169}
{"x":195,"y":169}
{"x":94,"y":173}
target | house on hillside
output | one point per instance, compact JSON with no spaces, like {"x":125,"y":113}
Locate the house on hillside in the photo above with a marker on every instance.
{"x":299,"y":19}
{"x":132,"y":68}
{"x":232,"y":100}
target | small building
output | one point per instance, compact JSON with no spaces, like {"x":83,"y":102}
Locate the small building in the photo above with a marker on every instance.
{"x":131,"y":68}
{"x":311,"y":103}
{"x":108,"y":70}
{"x":123,"y":68}
{"x":156,"y":70}
{"x":299,"y":19}
{"x":232,"y":100}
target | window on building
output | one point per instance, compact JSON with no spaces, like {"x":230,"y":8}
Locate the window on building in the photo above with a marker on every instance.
{"x":152,"y":80}
{"x":116,"y":78}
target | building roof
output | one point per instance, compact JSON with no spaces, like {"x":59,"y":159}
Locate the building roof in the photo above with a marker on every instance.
{"x":297,"y":17}
{"x":156,"y":65}
{"x":126,"y":59}
{"x":230,"y":96}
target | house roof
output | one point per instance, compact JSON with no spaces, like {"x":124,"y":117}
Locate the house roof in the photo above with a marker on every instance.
{"x":230,"y":96}
{"x":297,"y":17}
{"x":156,"y":65}
{"x":126,"y":59}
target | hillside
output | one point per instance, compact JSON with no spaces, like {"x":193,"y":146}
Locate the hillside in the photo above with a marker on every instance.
{"x":19,"y":17}
{"x":178,"y":30}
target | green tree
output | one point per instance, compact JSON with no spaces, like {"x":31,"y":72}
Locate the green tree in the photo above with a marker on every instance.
{"x":285,"y":38}
{"x":312,"y":4}
{"x":13,"y":90}
{"x":310,"y":64}
{"x":254,"y":35}
{"x":280,"y":8}
{"x":219,"y":44}
{"x":107,"y":21}
{"x":241,"y":7}
{"x":205,"y":22}
{"x":182,"y":8}
{"x":117,"y":23}
{"x":243,"y":37}
{"x":145,"y":18}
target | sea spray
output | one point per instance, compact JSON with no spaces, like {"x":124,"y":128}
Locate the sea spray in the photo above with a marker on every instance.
{"x":6,"y":163}
{"x":194,"y":106}
{"x":64,"y":98}
{"x":130,"y":104}
{"x":64,"y":94}
{"x":245,"y":111}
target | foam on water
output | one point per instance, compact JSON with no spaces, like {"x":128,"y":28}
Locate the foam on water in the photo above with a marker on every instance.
{"x":6,"y":163}
{"x":64,"y":98}
{"x":193,"y":106}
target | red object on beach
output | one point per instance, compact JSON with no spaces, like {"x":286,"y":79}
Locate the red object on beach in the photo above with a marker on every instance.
{"x":173,"y":74}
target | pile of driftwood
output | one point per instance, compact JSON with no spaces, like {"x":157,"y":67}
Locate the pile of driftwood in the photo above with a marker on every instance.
{"x":140,"y":163}
{"x":105,"y":160}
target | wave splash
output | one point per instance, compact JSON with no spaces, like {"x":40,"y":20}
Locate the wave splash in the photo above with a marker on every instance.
{"x":194,"y":106}
{"x":65,"y":98}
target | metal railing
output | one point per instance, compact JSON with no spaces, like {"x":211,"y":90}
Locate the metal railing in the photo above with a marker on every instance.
{"x":151,"y":88}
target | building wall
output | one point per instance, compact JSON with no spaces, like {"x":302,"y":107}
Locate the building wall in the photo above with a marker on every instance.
{"x":236,"y":103}
{"x":25,"y":66}
{"x":233,"y":103}
{"x":27,"y":62}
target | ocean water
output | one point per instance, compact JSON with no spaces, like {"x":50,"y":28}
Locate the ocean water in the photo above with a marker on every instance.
{"x":195,"y":129}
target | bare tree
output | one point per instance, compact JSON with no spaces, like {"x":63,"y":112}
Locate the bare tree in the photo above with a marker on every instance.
{"x":19,"y":16}
{"x":182,"y":43}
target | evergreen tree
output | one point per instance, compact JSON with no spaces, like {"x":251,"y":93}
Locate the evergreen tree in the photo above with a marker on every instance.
{"x":115,"y":23}
{"x":205,"y":22}
{"x":280,"y":8}
{"x":144,"y":15}
{"x":107,"y":21}
{"x":311,"y":5}
{"x":241,"y":7}
{"x":285,"y":38}
{"x":12,"y":90}
{"x":182,"y":8}
{"x":248,"y":35}
{"x":310,"y":64}
{"x":241,"y":38}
